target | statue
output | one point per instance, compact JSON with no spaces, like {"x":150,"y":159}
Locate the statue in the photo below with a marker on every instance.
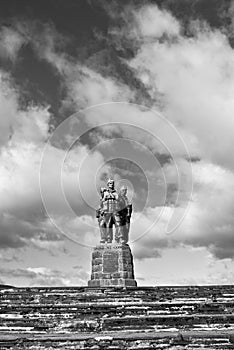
{"x":114,"y":210}
{"x":112,"y":264}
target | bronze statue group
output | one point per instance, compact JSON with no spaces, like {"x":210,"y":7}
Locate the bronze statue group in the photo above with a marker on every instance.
{"x":114,"y":210}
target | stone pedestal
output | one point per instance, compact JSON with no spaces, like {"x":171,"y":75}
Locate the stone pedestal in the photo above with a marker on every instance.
{"x":112,"y":266}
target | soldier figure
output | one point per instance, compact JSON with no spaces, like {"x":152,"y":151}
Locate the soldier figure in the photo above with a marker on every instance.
{"x":107,"y":213}
{"x":125,"y":215}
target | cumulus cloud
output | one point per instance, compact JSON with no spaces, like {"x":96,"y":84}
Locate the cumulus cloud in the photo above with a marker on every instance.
{"x":10,"y":43}
{"x":8,"y":99}
{"x":195,"y":76}
{"x":208,"y":222}
{"x":43,"y":276}
{"x":23,"y":135}
{"x":152,"y":22}
{"x":84,"y":86}
{"x":23,"y":215}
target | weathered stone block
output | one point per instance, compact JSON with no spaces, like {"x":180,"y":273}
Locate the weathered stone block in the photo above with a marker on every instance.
{"x":114,"y":282}
{"x":130,"y":275}
{"x":97,"y":275}
{"x":116,"y":275}
{"x":97,"y":268}
{"x":97,"y":261}
{"x":97,"y":254}
{"x":124,"y":274}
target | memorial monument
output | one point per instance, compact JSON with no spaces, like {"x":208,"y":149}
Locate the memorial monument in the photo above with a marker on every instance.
{"x":112,"y":261}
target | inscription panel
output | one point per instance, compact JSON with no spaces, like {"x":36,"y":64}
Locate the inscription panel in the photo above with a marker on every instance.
{"x":110,"y":262}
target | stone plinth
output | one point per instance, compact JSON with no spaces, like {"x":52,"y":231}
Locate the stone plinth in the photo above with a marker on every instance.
{"x":112,"y":265}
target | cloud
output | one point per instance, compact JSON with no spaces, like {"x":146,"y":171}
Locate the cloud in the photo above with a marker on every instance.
{"x":86,"y":87}
{"x":195,"y":76}
{"x":152,"y":22}
{"x":8,"y":112}
{"x":11,"y":42}
{"x":23,"y":215}
{"x":23,"y":136}
{"x":9,"y":256}
{"x":30,"y":125}
{"x":83,"y":86}
{"x":14,"y":233}
{"x":43,"y":276}
{"x":208,"y":222}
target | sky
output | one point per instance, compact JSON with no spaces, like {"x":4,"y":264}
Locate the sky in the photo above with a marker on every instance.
{"x":141,"y":91}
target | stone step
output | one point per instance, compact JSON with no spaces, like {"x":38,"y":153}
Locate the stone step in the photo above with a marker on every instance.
{"x":87,"y":309}
{"x":118,"y":340}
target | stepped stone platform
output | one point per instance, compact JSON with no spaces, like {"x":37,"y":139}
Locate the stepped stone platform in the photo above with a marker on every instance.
{"x":172,"y":317}
{"x":112,"y":265}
